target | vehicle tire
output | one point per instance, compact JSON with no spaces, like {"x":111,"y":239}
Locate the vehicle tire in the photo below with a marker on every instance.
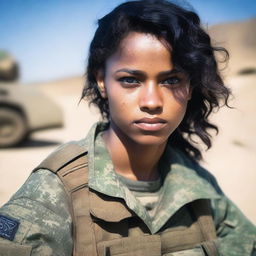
{"x":13,"y":127}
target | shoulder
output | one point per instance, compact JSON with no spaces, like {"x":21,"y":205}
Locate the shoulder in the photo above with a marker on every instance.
{"x":41,"y":207}
{"x":45,"y":188}
{"x":63,"y":155}
{"x":231,"y":224}
{"x":42,"y":192}
{"x":41,"y":210}
{"x":197,"y":168}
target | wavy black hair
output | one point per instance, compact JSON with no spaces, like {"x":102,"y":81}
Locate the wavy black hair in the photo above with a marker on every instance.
{"x":191,"y":50}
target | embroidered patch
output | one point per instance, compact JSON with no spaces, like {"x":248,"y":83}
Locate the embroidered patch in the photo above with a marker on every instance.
{"x":8,"y":227}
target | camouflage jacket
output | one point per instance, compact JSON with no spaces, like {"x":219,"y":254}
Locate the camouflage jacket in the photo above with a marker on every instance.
{"x":41,"y":224}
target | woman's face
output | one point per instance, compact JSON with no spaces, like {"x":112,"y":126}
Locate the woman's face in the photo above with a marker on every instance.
{"x":147,"y":96}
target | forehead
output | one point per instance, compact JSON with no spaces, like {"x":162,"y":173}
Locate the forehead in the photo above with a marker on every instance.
{"x":141,"y":51}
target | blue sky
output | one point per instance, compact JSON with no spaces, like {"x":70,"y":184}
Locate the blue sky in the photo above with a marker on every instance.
{"x":50,"y":38}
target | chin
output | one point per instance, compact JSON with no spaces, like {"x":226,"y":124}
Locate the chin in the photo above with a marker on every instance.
{"x":150,"y":140}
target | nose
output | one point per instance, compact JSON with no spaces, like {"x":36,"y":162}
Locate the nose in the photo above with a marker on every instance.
{"x":151,"y":98}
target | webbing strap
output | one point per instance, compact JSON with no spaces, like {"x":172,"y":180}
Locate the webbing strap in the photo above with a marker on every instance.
{"x":70,"y":163}
{"x":75,"y":178}
{"x":202,"y":212}
{"x":66,"y":154}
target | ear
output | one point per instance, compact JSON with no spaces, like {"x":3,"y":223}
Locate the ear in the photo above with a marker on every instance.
{"x":100,"y":82}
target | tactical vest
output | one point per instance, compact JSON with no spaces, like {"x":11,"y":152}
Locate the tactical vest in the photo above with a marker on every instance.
{"x":105,"y":226}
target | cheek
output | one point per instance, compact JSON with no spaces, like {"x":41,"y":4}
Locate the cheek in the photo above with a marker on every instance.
{"x":120,"y":101}
{"x":182,"y":95}
{"x":118,"y":106}
{"x":177,"y":106}
{"x":182,"y":107}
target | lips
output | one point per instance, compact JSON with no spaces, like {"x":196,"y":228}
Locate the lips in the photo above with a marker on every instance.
{"x":150,"y":124}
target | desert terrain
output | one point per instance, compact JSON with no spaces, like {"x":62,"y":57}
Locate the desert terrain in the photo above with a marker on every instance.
{"x":232,"y":159}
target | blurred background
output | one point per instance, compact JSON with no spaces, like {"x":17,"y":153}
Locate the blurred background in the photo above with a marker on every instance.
{"x":43,"y":51}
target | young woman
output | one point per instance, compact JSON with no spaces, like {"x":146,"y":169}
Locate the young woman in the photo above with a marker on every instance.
{"x":133,"y":186}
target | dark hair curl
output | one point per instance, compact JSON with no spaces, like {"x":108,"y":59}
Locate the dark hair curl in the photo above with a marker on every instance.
{"x":191,"y":51}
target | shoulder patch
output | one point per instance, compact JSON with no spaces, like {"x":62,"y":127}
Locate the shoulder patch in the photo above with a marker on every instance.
{"x":8,"y":227}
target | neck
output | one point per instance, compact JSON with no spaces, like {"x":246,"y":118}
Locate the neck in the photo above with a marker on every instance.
{"x":132,"y":160}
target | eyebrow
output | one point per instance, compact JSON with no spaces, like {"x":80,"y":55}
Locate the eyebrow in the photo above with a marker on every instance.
{"x":142,"y":73}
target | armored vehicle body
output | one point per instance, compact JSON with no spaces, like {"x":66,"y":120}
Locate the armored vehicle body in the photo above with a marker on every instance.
{"x":23,"y":108}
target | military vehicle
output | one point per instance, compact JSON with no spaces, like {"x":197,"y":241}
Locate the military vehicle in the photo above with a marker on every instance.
{"x":23,"y":108}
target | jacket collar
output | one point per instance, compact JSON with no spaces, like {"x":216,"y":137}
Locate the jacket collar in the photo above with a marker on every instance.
{"x":184,"y":182}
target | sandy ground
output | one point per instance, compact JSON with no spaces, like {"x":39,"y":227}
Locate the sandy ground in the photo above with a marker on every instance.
{"x":232,"y":159}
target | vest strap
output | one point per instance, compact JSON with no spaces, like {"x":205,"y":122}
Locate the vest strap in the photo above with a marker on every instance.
{"x":75,"y":179}
{"x":62,"y":156}
{"x":70,"y":163}
{"x":202,"y":212}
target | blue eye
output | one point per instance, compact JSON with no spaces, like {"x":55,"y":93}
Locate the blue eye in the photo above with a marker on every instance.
{"x":129,"y":81}
{"x":171,"y":81}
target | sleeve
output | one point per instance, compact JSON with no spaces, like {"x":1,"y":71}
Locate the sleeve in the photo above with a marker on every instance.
{"x":36,"y":221}
{"x":236,"y":234}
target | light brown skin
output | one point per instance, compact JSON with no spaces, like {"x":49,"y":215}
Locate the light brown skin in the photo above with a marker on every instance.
{"x":154,"y":90}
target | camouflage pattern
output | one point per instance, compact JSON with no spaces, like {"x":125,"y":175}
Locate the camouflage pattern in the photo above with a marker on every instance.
{"x":42,"y":208}
{"x":41,"y":204}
